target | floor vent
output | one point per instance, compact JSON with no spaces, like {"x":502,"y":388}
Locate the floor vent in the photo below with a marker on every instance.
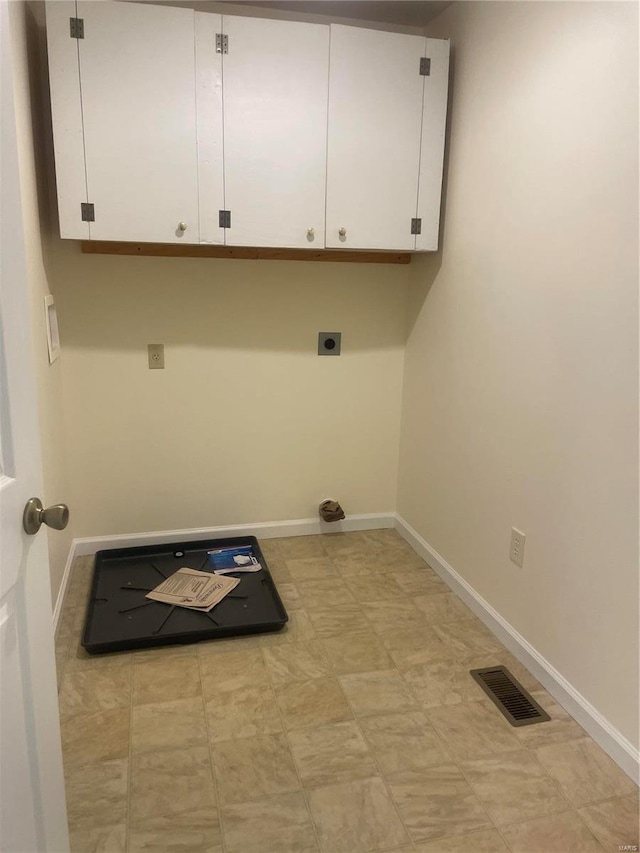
{"x":511,"y":699}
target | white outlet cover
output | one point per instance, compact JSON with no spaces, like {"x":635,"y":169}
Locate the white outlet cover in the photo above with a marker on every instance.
{"x":53,"y":335}
{"x":516,"y":553}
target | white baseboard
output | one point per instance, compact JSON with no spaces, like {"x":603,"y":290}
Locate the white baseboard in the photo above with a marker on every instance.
{"x":57,"y":610}
{"x":601,"y":730}
{"x":262,"y":530}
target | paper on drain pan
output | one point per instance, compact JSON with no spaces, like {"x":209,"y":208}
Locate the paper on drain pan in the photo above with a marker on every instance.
{"x":193,"y":589}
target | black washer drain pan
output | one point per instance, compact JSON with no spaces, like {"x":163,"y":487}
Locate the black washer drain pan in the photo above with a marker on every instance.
{"x":120,"y":617}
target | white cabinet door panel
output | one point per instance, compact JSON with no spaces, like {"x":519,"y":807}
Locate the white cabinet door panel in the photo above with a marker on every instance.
{"x":375,"y":110}
{"x":137,"y":69}
{"x":66,"y":114}
{"x":434,"y":119}
{"x":275,"y":115}
{"x":209,"y":121}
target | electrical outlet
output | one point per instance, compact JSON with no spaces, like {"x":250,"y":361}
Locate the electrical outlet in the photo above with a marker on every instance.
{"x":516,"y":555}
{"x":329,"y":343}
{"x":156,"y":356}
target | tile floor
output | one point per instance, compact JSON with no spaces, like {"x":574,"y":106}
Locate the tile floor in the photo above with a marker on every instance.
{"x":356,"y":729}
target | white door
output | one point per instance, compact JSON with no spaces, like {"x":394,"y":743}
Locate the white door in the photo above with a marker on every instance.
{"x":137,"y":71}
{"x":373,"y":158}
{"x":32,"y":806}
{"x":275,"y":132}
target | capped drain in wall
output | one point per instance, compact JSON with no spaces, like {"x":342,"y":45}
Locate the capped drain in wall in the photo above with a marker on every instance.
{"x":511,"y":699}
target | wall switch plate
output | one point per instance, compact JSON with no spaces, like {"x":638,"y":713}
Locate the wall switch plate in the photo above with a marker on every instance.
{"x":329,"y":343}
{"x":516,"y":554}
{"x":156,"y":356}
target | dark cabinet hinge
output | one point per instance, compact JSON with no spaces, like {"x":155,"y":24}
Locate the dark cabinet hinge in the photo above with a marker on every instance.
{"x":425,"y":66}
{"x":222,"y":43}
{"x":224,"y":219}
{"x":76,"y":28}
{"x":416,"y":226}
{"x":88,"y":212}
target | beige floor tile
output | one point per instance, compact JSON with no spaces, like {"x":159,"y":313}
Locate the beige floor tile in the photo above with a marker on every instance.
{"x":171,"y":781}
{"x":343,"y":543}
{"x":79,"y":659}
{"x":101,"y":736}
{"x":468,"y":637}
{"x":444,"y":683}
{"x":584,"y":772}
{"x":243,"y":713}
{"x":436,"y":801}
{"x":442,"y":607}
{"x":167,"y":725}
{"x":231,"y":670}
{"x":357,"y":561}
{"x":563,"y":833}
{"x":252,"y":768}
{"x":334,"y":621}
{"x":559,"y":729}
{"x":316,"y":702}
{"x":356,"y":817}
{"x":243,"y":642}
{"x":331,"y":754}
{"x":290,"y":594}
{"x":385,"y":539}
{"x":514,"y":787}
{"x":62,"y":656}
{"x":275,"y":825}
{"x":166,"y":680}
{"x":298,"y":629}
{"x":99,"y":839}
{"x":97,"y":794}
{"x":378,"y":692}
{"x":279,"y":571}
{"x":312,"y":568}
{"x":166,"y":653}
{"x":418,"y":579}
{"x":87,"y":691}
{"x":484,"y":841}
{"x":374,"y":586}
{"x":473,"y":730}
{"x":615,"y":822}
{"x":387,"y":616}
{"x":189,"y":832}
{"x":297,"y":662}
{"x":420,"y":645}
{"x":324,"y":592}
{"x":405,"y":741}
{"x":357,"y":652}
{"x":300,"y":547}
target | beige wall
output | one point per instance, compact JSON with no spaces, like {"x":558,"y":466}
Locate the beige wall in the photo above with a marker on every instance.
{"x":521,"y":379}
{"x":246,"y":423}
{"x":31,"y":132}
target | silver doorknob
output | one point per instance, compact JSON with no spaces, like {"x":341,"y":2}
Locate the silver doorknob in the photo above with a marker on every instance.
{"x":182,"y":226}
{"x":342,"y":232}
{"x":311,"y":232}
{"x":35,"y":515}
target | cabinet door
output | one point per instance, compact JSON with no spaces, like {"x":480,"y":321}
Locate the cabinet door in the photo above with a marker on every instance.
{"x":137,"y":73}
{"x":434,"y":120}
{"x":375,"y":115}
{"x":275,"y":116}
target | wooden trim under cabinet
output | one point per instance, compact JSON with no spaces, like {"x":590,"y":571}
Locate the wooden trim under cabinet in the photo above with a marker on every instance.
{"x":174,"y":250}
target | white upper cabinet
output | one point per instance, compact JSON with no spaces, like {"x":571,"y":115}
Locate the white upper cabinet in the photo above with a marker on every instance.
{"x":375,"y":117}
{"x":175,"y":126}
{"x":434,"y":119}
{"x":138,"y":118}
{"x":275,"y":129}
